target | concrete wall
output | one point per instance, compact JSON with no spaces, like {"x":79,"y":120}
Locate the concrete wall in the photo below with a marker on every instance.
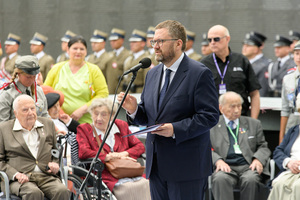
{"x":53,"y":17}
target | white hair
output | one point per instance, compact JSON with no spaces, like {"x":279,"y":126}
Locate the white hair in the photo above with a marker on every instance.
{"x":19,"y":98}
{"x":222,"y":98}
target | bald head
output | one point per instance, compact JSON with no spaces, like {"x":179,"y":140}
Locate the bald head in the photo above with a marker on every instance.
{"x":230,"y":105}
{"x":20,"y":99}
{"x":220,"y":29}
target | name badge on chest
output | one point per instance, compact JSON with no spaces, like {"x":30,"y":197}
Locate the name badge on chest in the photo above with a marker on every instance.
{"x":222,"y":88}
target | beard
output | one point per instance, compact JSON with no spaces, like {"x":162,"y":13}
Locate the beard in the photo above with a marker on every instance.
{"x":165,"y":57}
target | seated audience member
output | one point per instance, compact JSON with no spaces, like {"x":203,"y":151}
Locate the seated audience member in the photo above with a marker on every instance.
{"x":25,"y":154}
{"x":239,"y":151}
{"x":287,"y":158}
{"x":115,"y":147}
{"x":64,"y":124}
{"x":22,"y":82}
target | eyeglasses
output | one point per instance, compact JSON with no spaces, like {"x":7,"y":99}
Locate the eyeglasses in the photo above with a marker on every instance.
{"x":216,"y":39}
{"x":160,"y":42}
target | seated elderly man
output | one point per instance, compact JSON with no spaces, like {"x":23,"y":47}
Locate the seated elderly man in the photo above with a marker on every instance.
{"x":25,"y":153}
{"x":239,"y":151}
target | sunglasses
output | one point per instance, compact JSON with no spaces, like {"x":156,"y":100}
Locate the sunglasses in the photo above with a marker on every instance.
{"x":216,"y":39}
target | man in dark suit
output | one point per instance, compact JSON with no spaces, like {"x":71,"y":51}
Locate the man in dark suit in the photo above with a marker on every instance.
{"x":25,"y":154}
{"x":184,"y":100}
{"x":239,"y":151}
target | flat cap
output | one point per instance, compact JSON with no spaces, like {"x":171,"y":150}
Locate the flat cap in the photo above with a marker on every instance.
{"x":117,"y":33}
{"x":68,"y":35}
{"x":252,"y":40}
{"x":29,"y":64}
{"x":150,"y":32}
{"x":190,"y":35}
{"x":262,"y":37}
{"x":12,"y":39}
{"x":204,"y":40}
{"x":294,"y":35}
{"x":138,"y":36}
{"x":282,"y":41}
{"x":38,"y":39}
{"x":98,"y":36}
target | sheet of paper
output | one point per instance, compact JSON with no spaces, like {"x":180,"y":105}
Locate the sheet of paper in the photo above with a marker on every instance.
{"x":146,"y":130}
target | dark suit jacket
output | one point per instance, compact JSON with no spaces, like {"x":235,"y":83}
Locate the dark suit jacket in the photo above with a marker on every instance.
{"x":15,"y":155}
{"x":283,"y":151}
{"x":251,"y":140}
{"x":191,"y":105}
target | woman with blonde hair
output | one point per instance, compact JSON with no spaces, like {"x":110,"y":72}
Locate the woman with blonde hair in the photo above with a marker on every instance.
{"x":22,"y":82}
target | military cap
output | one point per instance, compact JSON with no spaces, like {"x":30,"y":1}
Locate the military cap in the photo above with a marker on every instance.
{"x":116,"y":34}
{"x":259,"y":35}
{"x":98,"y":36}
{"x":68,"y":35}
{"x":12,"y":39}
{"x":137,"y":36}
{"x":297,"y":46}
{"x":204,"y":40}
{"x":282,"y":41}
{"x":150,"y":32}
{"x":252,"y":40}
{"x":29,"y":64}
{"x":38,"y":39}
{"x":190,"y":35}
{"x":294,"y":35}
{"x":52,"y":98}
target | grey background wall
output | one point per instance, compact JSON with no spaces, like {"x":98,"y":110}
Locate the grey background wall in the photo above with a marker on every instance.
{"x":53,"y":17}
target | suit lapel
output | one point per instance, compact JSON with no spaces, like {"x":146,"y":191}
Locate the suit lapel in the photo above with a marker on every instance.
{"x":157,"y":80}
{"x":177,"y":80}
{"x":243,"y":130}
{"x":42,"y":136}
{"x":19,"y":138}
{"x":222,"y":130}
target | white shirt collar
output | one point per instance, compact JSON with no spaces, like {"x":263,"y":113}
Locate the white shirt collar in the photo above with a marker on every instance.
{"x":138,"y":54}
{"x":18,"y":126}
{"x":99,"y":53}
{"x":119,"y":50}
{"x":189,"y":52}
{"x":283,"y":60}
{"x":40,"y":54}
{"x":256,"y":58}
{"x":12,"y":55}
{"x":175,"y":65}
{"x":110,"y":141}
{"x":236,"y":121}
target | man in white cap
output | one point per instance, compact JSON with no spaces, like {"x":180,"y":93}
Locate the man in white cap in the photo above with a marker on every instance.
{"x":137,"y":45}
{"x":37,"y":45}
{"x":120,"y":53}
{"x":64,"y":46}
{"x":12,"y":44}
{"x":99,"y":56}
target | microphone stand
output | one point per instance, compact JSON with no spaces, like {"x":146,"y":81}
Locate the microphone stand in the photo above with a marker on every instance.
{"x":96,"y":161}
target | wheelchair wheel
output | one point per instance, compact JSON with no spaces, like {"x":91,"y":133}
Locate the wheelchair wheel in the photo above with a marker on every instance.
{"x":74,"y":183}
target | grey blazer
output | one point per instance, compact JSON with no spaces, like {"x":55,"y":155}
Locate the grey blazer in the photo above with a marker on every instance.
{"x":251,"y":140}
{"x":15,"y":156}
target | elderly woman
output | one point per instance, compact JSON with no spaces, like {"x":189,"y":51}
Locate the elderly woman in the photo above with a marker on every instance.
{"x":115,"y":147}
{"x":22,"y":82}
{"x":287,"y":158}
{"x":290,"y":89}
{"x":78,"y":80}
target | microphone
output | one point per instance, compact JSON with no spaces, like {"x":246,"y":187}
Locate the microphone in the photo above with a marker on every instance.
{"x":144,"y":63}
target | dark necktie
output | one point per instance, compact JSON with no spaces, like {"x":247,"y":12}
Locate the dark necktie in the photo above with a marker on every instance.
{"x":279,"y":62}
{"x":28,"y":92}
{"x":165,"y":87}
{"x":230,"y":124}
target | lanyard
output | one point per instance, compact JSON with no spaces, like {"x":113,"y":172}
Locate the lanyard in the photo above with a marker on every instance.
{"x":218,"y":68}
{"x":236,"y":133}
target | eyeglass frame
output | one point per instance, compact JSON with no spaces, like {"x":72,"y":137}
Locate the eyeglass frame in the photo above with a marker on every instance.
{"x":215,"y":39}
{"x":160,"y":42}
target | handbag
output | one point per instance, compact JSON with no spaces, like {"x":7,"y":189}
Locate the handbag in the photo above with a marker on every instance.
{"x":122,"y":168}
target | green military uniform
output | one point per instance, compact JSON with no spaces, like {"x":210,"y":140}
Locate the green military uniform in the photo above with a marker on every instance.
{"x":9,"y":64}
{"x":138,"y":85}
{"x":115,"y":70}
{"x":62,"y":57}
{"x":190,"y":51}
{"x":195,"y":56}
{"x":46,"y":62}
{"x":64,"y":42}
{"x":103,"y":62}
